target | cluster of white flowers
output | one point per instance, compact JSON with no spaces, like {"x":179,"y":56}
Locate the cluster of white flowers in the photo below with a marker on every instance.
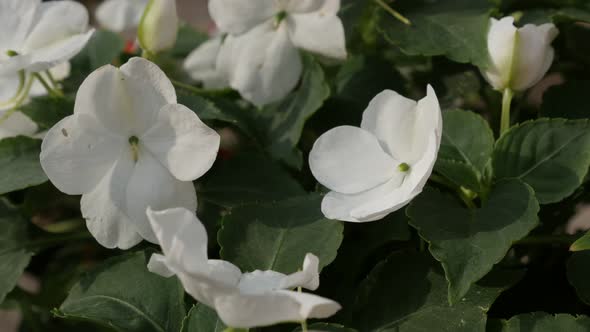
{"x":130,"y":147}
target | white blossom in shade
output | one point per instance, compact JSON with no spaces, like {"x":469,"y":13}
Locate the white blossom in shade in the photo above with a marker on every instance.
{"x":127,"y":146}
{"x":158,"y":28}
{"x":36,"y":36}
{"x":242,"y":300}
{"x":378,"y":168}
{"x":18,"y":123}
{"x":519,"y":57}
{"x":201,"y":64}
{"x":120,"y":15}
{"x":260,"y":56}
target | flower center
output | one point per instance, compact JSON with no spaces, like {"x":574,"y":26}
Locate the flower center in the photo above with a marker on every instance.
{"x":403,"y":167}
{"x":279,"y":18}
{"x":134,"y":142}
{"x":11,"y":53}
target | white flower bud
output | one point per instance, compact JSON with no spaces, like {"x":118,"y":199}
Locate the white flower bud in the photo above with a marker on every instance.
{"x":159,"y":26}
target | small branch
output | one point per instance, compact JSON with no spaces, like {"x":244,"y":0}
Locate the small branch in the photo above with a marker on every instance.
{"x":393,"y":12}
{"x":54,"y":92}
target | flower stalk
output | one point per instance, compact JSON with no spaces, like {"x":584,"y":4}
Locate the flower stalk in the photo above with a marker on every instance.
{"x":393,"y":12}
{"x":506,"y":102}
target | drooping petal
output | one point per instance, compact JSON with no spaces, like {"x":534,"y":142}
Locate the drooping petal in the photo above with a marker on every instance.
{"x":257,"y":281}
{"x":237,"y":16}
{"x":201,"y":64}
{"x":501,"y":38}
{"x":158,"y":265}
{"x":264,"y":65}
{"x":121,"y":103}
{"x":391,"y":117}
{"x":214,"y":279}
{"x":428,"y":120}
{"x":149,"y":74}
{"x":151,"y":184}
{"x":180,"y":232}
{"x":120,"y":15}
{"x":319,"y":32}
{"x":246,"y":311}
{"x":76,"y":154}
{"x":102,"y":208}
{"x":182,"y":142}
{"x":308,"y":277}
{"x":349,"y":160}
{"x":16,"y":17}
{"x":534,"y":55}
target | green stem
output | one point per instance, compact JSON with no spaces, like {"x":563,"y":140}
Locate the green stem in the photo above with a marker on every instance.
{"x":304,"y":326}
{"x":506,"y":101}
{"x":52,"y":80}
{"x":466,"y":199}
{"x":17,"y":103}
{"x":21,"y":85}
{"x":564,"y":240}
{"x":50,"y":90}
{"x":443,"y":181}
{"x":393,"y":12}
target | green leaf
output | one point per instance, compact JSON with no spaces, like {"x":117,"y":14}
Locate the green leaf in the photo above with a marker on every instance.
{"x":551,"y":155}
{"x":578,"y":270}
{"x":408,"y":293}
{"x":187,"y":40}
{"x":276,"y":236}
{"x":13,"y":260}
{"x":283,"y":122}
{"x":542,"y":322}
{"x":46,"y":111}
{"x":202,"y":319}
{"x":326,"y":327}
{"x":247,"y":178}
{"x":103,"y":48}
{"x":456,"y":29}
{"x":469,"y":242}
{"x":567,"y":100}
{"x":582,"y":243}
{"x":466,"y":148}
{"x":123,"y":294}
{"x":19,"y":164}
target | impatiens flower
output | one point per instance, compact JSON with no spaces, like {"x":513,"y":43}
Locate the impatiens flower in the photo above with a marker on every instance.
{"x":378,"y":168}
{"x":158,"y":27}
{"x":201,"y":64}
{"x":120,"y":15}
{"x":261,"y":53}
{"x":519,"y":57}
{"x":242,"y":300}
{"x":127,"y":146}
{"x":37,"y":36}
{"x":16,"y":123}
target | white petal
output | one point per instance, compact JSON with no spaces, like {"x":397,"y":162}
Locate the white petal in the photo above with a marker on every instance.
{"x":238,"y":16}
{"x":214,"y":279}
{"x":158,"y":27}
{"x":151,"y":184}
{"x":428,"y":120}
{"x":149,"y":74}
{"x":265,"y":65}
{"x":54,"y":22}
{"x":76,"y":154}
{"x":308,"y":278}
{"x":8,"y":89}
{"x":534,"y":55}
{"x":102,"y":208}
{"x":182,"y":142}
{"x":120,"y":15}
{"x":501,"y":49}
{"x":123,"y":104}
{"x":200,"y":64}
{"x":306,"y":6}
{"x":16,"y":17}
{"x":17,"y":124}
{"x":376,"y":203}
{"x":318,"y":32}
{"x":181,"y":235}
{"x":257,"y":282}
{"x":157,"y":265}
{"x":349,"y":160}
{"x":247,"y":311}
{"x":56,"y":53}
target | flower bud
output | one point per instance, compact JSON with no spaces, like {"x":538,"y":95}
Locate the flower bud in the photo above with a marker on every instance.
{"x":519,"y":57}
{"x":159,"y":26}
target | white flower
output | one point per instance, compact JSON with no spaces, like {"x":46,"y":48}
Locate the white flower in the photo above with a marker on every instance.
{"x":378,"y":168}
{"x":120,"y":15}
{"x":18,"y":123}
{"x":127,"y":146}
{"x":519,"y":58}
{"x":37,"y":36}
{"x":201,"y":64}
{"x":242,"y":300}
{"x":260,"y":57}
{"x":158,"y":27}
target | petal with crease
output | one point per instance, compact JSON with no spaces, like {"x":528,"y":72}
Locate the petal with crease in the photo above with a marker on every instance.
{"x":238,"y":16}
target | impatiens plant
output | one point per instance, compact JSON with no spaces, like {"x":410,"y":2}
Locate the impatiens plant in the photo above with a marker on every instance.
{"x":360,"y":166}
